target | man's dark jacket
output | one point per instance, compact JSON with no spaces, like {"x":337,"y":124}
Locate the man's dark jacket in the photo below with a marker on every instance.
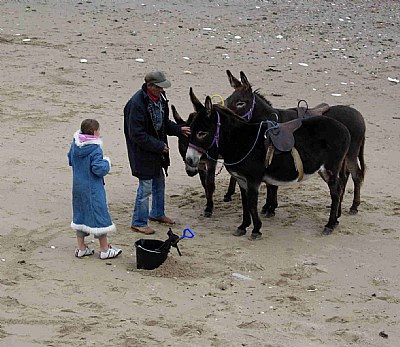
{"x":145,"y":144}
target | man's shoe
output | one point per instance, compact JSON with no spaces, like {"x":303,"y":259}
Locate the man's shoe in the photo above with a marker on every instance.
{"x":163,"y":220}
{"x":143,"y":230}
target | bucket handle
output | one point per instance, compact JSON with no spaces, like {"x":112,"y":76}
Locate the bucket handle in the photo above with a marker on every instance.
{"x":187,"y":234}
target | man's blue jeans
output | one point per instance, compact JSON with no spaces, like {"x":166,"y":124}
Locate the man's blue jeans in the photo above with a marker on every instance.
{"x":156,"y":188}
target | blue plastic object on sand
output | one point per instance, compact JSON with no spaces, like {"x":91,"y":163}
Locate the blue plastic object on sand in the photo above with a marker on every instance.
{"x":187,"y":233}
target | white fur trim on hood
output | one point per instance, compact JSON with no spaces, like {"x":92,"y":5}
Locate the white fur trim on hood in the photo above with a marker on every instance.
{"x":78,"y":142}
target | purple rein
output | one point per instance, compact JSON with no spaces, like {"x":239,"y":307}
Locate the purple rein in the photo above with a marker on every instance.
{"x":214,"y":142}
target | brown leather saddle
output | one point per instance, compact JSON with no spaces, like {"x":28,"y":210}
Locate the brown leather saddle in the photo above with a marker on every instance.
{"x":305,"y":112}
{"x":281,"y":135}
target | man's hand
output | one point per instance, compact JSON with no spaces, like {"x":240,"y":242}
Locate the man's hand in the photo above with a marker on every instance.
{"x":185,"y":131}
{"x":165,"y":149}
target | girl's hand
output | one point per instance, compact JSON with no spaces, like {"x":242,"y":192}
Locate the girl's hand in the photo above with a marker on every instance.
{"x":108,"y":159}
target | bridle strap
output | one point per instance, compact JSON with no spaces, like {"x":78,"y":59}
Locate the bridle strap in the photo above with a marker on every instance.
{"x":197,"y":148}
{"x":215,"y":139}
{"x":249,"y":113}
{"x":216,"y":136}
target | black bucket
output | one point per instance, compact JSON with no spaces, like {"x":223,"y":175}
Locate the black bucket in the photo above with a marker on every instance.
{"x":149,"y":254}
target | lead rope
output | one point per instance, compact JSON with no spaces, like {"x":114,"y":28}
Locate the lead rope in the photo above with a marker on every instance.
{"x":219,"y":171}
{"x":223,"y":164}
{"x":273,"y":126}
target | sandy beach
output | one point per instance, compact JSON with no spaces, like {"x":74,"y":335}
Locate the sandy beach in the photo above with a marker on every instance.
{"x":64,"y":61}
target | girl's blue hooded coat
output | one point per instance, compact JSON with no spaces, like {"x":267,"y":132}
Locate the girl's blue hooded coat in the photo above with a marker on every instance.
{"x":89,"y":202}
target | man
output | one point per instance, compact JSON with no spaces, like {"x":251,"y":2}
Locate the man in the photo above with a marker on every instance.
{"x":146,"y":126}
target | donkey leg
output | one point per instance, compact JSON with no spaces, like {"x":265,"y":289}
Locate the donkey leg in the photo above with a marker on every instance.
{"x":252,"y":196}
{"x":208,"y":181}
{"x":271,"y":201}
{"x":231,"y":189}
{"x":344,"y":177}
{"x":358,"y":178}
{"x":357,"y":181}
{"x":357,"y":174}
{"x":211,"y":167}
{"x":335,"y":192}
{"x":246,"y":221}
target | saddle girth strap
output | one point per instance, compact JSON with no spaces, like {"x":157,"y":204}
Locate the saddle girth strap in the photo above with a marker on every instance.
{"x":269,"y":155}
{"x":298,"y":164}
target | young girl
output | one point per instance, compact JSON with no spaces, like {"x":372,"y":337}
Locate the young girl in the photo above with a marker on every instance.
{"x":89,"y":203}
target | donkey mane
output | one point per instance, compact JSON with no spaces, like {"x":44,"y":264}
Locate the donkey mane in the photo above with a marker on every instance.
{"x":228,"y":111}
{"x":257,"y":92}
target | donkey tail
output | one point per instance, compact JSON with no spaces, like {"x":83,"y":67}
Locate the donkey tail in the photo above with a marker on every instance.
{"x":361,"y":159}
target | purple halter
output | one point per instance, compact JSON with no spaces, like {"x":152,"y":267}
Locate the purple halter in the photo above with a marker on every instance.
{"x":214,"y":142}
{"x":249,"y":113}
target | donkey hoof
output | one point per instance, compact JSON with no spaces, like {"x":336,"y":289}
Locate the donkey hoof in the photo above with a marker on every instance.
{"x":327,"y":231}
{"x":255,"y":236}
{"x":269,"y":214}
{"x":353,"y":211}
{"x":239,"y":232}
{"x":207,"y":214}
{"x":227,"y":198}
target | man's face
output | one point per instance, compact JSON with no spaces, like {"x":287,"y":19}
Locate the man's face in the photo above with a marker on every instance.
{"x":154,"y":90}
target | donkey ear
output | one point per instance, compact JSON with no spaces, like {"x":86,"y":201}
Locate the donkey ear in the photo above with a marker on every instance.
{"x":208,"y":105}
{"x":196,"y":103}
{"x":177,"y":117}
{"x":235,"y":83}
{"x":244,"y":80}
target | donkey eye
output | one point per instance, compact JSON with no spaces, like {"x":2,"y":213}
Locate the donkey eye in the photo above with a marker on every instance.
{"x":201,"y":135}
{"x":240,"y":104}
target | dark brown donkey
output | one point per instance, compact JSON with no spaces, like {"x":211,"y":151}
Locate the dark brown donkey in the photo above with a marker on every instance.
{"x":248,"y":103}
